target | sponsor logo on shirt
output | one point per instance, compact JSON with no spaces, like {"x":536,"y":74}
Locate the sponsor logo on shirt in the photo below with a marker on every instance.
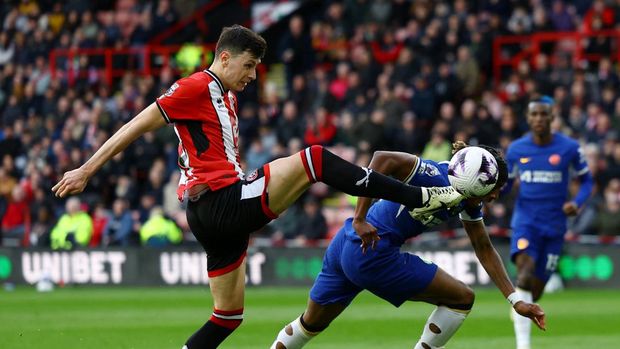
{"x":525,"y":160}
{"x":171,"y":90}
{"x":428,"y":169}
{"x":541,"y":176}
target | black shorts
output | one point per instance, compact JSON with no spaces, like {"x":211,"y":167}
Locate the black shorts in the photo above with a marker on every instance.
{"x":222,"y":220}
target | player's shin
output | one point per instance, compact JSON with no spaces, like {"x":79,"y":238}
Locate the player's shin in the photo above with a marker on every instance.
{"x":294,"y":335}
{"x":440,"y":327}
{"x":323,"y":166}
{"x":522,"y":324}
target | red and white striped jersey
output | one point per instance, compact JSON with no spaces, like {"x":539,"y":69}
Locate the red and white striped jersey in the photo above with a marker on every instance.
{"x":205,"y":121}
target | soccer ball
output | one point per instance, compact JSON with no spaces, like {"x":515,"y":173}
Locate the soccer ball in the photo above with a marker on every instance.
{"x":473,"y":171}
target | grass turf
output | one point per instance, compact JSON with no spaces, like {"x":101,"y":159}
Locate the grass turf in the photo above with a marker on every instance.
{"x":164,"y":317}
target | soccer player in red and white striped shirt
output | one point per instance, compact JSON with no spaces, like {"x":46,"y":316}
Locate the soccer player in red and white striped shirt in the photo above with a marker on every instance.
{"x":225,"y":205}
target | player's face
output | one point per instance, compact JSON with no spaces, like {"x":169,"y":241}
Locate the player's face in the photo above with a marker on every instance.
{"x":539,"y":118}
{"x":493,"y":195}
{"x":239,"y":70}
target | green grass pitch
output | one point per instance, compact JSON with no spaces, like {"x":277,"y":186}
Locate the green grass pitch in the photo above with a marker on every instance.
{"x":154,"y":318}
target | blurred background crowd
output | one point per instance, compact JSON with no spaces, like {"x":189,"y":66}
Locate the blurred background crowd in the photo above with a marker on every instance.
{"x":354,"y":75}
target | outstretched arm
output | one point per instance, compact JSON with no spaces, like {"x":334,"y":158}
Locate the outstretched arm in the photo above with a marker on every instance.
{"x":571,"y":208}
{"x":492,"y":263}
{"x":75,"y":181}
{"x":396,"y":164}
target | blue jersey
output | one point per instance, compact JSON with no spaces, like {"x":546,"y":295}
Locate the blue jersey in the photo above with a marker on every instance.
{"x":394,"y":222}
{"x":384,"y":270}
{"x":544,"y":174}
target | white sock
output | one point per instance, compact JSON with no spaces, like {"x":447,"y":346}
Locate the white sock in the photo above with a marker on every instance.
{"x":425,"y":195}
{"x":522,"y":324}
{"x":440,"y":327}
{"x":293,"y":336}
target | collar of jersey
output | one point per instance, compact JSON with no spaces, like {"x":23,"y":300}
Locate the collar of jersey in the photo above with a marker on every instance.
{"x":219,"y":82}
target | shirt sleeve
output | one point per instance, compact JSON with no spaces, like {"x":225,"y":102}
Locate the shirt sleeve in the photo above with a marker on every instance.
{"x":578,"y":161}
{"x":580,"y":167}
{"x":184,"y":100}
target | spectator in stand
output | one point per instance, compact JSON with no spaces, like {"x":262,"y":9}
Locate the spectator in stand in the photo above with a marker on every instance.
{"x":16,"y":219}
{"x":370,"y":134}
{"x":607,"y":221}
{"x":438,"y":148}
{"x":286,"y":227}
{"x":74,"y":228}
{"x":409,"y":138}
{"x":598,"y":17}
{"x":561,"y":18}
{"x":487,"y":128}
{"x":7,"y":183}
{"x":7,"y":49}
{"x":320,"y":129}
{"x":422,"y":102}
{"x":290,"y":125}
{"x":296,"y":50}
{"x":159,"y":231}
{"x":340,"y":83}
{"x":100,"y":219}
{"x":312,"y":223}
{"x":164,"y":15}
{"x":257,"y":154}
{"x":387,"y":48}
{"x":467,"y":72}
{"x":118,"y":229}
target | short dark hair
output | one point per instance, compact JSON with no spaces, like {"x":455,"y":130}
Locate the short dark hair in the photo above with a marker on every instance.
{"x":238,"y":39}
{"x":502,"y":167}
{"x":544,"y":100}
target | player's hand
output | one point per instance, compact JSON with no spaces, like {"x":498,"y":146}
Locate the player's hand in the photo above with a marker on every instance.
{"x":570,"y":208}
{"x":367,"y":232}
{"x":72,"y":182}
{"x":532,"y":311}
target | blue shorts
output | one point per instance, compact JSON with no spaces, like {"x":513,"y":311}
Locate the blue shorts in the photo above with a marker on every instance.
{"x":384,"y":271}
{"x":544,"y":249}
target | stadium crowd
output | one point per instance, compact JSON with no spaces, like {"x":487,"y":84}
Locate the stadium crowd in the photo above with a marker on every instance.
{"x":359,"y":76}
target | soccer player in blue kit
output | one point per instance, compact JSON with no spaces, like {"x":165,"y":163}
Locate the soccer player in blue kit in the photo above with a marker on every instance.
{"x":543,"y":161}
{"x":365,"y":254}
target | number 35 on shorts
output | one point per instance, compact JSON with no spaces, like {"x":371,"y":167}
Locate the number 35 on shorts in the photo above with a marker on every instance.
{"x":552,"y":262}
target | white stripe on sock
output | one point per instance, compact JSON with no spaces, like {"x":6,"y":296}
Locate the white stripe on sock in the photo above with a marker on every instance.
{"x":310,"y":164}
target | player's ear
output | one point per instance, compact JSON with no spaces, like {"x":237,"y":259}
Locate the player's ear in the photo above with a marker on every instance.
{"x":224,"y":57}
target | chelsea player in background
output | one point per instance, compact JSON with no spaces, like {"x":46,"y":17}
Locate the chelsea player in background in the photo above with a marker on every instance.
{"x":544,"y":162}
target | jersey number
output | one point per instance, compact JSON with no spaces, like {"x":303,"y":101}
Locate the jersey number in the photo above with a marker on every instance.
{"x":552,"y":262}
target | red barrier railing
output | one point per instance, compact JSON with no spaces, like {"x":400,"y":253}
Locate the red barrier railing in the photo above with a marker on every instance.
{"x":112,"y":63}
{"x":530,"y":47}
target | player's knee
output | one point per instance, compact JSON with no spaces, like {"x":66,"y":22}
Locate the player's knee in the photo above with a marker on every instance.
{"x":467,"y":298}
{"x":464,"y":300}
{"x":537,"y":294}
{"x":525,"y":280}
{"x":312,"y":159}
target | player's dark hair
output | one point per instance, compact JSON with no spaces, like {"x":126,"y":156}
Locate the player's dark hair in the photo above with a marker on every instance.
{"x":502,"y":167}
{"x":543,"y":100}
{"x":237,"y":39}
